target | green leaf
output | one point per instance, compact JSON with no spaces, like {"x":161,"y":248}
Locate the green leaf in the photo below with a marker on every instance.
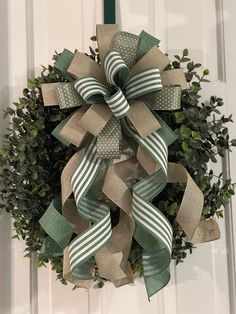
{"x":196,"y":135}
{"x":172,"y":209}
{"x":185,"y":146}
{"x":16,"y":120}
{"x":185,"y":131}
{"x":190,"y":66}
{"x":176,"y":64}
{"x":35,"y":175}
{"x":34,"y":132}
{"x":233,"y":142}
{"x":184,"y":59}
{"x":4,"y":152}
{"x":180,"y":116}
{"x":55,"y":117}
{"x":185,"y":52}
{"x":213,"y":159}
{"x":177,"y":57}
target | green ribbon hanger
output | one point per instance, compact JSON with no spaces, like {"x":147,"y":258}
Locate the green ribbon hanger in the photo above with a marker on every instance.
{"x":109,"y":11}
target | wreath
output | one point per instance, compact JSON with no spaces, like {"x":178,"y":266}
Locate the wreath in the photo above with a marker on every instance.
{"x":84,"y":169}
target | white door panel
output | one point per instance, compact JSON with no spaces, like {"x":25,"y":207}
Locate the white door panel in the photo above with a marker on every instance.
{"x":31,"y":31}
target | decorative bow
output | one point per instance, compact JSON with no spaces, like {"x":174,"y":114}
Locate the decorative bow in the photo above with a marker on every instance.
{"x":119,"y":96}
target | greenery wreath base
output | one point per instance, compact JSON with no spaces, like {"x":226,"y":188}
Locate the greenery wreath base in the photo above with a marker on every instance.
{"x":31,"y":160}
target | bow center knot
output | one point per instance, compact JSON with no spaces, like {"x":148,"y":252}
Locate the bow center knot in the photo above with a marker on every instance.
{"x":121,"y":86}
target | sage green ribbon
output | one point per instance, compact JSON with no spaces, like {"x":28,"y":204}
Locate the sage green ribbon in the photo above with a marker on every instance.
{"x":63,"y":62}
{"x":56,"y":226}
{"x":131,"y":48}
{"x":50,"y":249}
{"x":84,"y":246}
{"x":146,"y":43}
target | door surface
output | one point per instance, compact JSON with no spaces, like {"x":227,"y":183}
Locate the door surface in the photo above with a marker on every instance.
{"x":30,"y":32}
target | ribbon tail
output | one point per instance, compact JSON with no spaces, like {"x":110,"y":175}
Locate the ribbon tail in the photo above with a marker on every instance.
{"x":153,"y":231}
{"x":189,"y":214}
{"x":67,"y":274}
{"x":116,"y":253}
{"x":85,"y":245}
{"x":55,"y":225}
{"x":138,"y":115}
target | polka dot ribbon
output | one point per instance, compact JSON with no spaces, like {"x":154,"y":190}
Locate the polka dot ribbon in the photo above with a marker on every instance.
{"x":109,"y":141}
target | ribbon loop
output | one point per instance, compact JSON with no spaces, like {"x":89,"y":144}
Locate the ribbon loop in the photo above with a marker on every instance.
{"x":144,"y":83}
{"x":63,"y":62}
{"x":105,"y":36}
{"x":126,"y":45}
{"x":169,"y":98}
{"x":91,"y":90}
{"x":154,"y":58}
{"x":115,"y":69}
{"x":68,"y":97}
{"x":174,"y":77}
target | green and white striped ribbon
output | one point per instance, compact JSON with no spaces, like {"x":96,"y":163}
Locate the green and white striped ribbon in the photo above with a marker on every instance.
{"x":84,"y":246}
{"x":118,"y":104}
{"x":147,"y":82}
{"x":151,"y":225}
{"x":90,"y":89}
{"x":122,"y":87}
{"x":116,"y":70}
{"x":153,"y":143}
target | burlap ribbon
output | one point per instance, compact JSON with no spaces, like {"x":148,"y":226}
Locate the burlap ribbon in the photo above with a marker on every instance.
{"x":119,"y":96}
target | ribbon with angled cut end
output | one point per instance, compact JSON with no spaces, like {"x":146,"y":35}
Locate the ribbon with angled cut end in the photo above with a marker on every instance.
{"x":121,"y":162}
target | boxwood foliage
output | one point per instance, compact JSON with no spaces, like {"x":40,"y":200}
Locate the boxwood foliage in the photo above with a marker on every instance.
{"x":31,"y":160}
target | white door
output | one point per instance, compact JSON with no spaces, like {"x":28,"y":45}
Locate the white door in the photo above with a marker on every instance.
{"x":30,"y":32}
